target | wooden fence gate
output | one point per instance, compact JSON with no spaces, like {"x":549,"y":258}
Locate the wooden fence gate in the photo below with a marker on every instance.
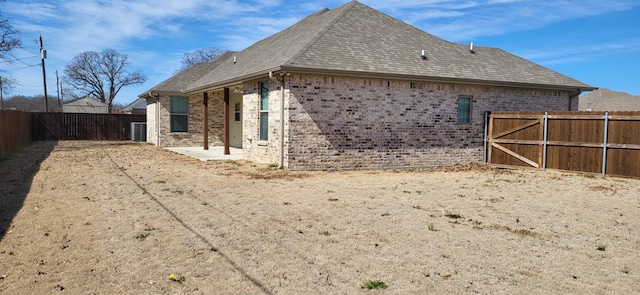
{"x":592,"y":142}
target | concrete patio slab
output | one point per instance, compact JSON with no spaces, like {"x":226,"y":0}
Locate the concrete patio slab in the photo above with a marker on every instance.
{"x":214,"y":153}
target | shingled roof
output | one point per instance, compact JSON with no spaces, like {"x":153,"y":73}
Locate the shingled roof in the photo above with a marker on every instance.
{"x":357,"y":40}
{"x":181,"y":81}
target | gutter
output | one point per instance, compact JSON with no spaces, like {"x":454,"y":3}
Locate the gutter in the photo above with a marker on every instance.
{"x":362,"y":74}
{"x":418,"y":78}
{"x":233,"y":81}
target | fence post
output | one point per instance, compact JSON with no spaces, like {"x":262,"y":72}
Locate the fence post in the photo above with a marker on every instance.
{"x":544,"y":141}
{"x":604,"y":144}
{"x":489,"y":142}
{"x":486,"y":131}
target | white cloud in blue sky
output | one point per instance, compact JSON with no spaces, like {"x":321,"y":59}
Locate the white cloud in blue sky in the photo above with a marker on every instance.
{"x":155,"y":34}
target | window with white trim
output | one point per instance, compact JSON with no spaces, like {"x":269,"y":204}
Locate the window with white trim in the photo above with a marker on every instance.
{"x":179,"y":114}
{"x":264,"y":110}
{"x":464,"y":110}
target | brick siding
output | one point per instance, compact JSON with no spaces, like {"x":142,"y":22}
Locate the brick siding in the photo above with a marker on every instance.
{"x":253,"y":148}
{"x":338,"y":123}
{"x":350,"y":123}
{"x":194,"y":134}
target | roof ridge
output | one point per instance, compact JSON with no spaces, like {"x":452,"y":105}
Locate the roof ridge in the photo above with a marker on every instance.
{"x":346,"y":7}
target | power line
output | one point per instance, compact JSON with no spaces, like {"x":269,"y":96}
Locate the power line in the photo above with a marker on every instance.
{"x":34,"y":18}
{"x":22,"y":68}
{"x":43,"y":55}
{"x":20,"y":59}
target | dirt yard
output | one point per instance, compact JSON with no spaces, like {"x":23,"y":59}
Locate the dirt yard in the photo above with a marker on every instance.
{"x":121,"y":218}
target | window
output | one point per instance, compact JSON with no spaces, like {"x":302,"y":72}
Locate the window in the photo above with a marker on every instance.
{"x":237,"y":112}
{"x":179,"y":114}
{"x":464,"y":110}
{"x":264,"y":110}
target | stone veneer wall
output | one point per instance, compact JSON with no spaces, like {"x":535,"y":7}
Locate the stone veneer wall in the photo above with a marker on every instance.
{"x":194,"y":134}
{"x":352,"y":123}
{"x":152,"y":121}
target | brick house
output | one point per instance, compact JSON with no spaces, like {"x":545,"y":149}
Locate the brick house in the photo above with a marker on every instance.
{"x":351,"y":88}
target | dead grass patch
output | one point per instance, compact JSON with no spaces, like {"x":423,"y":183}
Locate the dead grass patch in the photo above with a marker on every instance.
{"x":85,"y":224}
{"x":276,"y":174}
{"x":518,"y":231}
{"x":601,"y":188}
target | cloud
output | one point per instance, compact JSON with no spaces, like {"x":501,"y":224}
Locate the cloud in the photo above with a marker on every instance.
{"x":155,"y":33}
{"x":580,"y":52}
{"x":463,"y":21}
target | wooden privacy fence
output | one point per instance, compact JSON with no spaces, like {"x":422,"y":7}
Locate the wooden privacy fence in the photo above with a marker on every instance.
{"x":15,"y":131}
{"x":70,"y":126}
{"x":593,"y":142}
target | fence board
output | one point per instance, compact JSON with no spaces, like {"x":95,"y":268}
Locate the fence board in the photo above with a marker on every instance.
{"x":575,"y":141}
{"x":71,"y":126}
{"x":15,"y":131}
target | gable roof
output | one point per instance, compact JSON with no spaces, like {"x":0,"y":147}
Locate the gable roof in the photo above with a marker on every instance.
{"x":85,"y":101}
{"x":357,"y":40}
{"x":181,"y":81}
{"x":139,"y":103}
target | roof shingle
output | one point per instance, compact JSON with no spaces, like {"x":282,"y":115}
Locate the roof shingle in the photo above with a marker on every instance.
{"x":355,"y":39}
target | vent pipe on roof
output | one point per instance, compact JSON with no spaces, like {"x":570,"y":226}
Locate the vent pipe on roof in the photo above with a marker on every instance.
{"x":422,"y":55}
{"x":471,"y":48}
{"x":234,"y":59}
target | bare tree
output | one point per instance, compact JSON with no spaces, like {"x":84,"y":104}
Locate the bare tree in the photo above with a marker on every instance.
{"x":201,"y":55}
{"x":101,"y":75}
{"x":31,"y":103}
{"x":6,"y":83}
{"x":8,"y":41}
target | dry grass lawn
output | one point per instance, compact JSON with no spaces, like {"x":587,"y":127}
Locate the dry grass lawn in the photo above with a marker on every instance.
{"x":83,"y":217}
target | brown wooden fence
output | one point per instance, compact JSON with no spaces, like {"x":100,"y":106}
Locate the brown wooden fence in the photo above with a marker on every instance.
{"x":69,"y":126}
{"x":15,"y":131}
{"x":592,"y":142}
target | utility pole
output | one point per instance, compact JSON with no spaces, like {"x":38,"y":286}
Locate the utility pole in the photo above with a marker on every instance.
{"x":1,"y":100}
{"x":58,"y":90}
{"x":43,"y":55}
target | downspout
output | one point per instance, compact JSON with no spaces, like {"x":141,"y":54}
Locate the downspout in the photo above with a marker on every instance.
{"x":225,"y":113}
{"x":571,"y":99}
{"x":205,"y":124}
{"x":282,"y":124}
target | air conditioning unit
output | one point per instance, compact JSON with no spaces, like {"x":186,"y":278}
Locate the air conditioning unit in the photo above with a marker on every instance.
{"x":138,"y":131}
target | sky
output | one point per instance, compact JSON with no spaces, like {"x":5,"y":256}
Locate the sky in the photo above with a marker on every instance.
{"x":594,"y":41}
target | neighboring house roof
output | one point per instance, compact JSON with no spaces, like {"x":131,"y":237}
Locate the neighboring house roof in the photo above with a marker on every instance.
{"x":356,"y":40}
{"x":85,"y":105}
{"x":85,"y":101}
{"x":181,"y":81}
{"x":608,"y":100}
{"x":139,"y":103}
